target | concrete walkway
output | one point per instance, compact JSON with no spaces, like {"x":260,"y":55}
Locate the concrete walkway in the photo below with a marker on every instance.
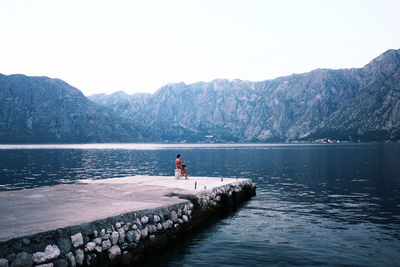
{"x":31,"y":211}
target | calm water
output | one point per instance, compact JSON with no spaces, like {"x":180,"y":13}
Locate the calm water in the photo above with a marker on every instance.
{"x":315,"y":204}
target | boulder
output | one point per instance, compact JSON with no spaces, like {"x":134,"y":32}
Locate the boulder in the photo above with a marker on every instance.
{"x":144,"y":233}
{"x":51,"y":252}
{"x":121,"y":233}
{"x":64,"y":244}
{"x":22,"y":259}
{"x":114,"y":237}
{"x":144,"y":219}
{"x":97,"y":241}
{"x":152,"y":228}
{"x":130,"y":236}
{"x":77,"y":240}
{"x":174,"y":216}
{"x":113,"y":252}
{"x":70,"y":259}
{"x":90,"y":246}
{"x":79,"y":256}
{"x":106,"y":244}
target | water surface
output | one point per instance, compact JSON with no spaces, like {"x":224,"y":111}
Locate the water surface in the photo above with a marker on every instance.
{"x":315,"y":204}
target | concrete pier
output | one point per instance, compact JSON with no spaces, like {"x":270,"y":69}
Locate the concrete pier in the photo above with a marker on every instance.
{"x":107,"y":222}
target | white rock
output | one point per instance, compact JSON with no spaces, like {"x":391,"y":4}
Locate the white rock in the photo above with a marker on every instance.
{"x":71,"y":259}
{"x":185,"y":218}
{"x":127,"y":226}
{"x":97,"y":241}
{"x":114,"y":252}
{"x":152,"y":228}
{"x":185,"y":209}
{"x":167,"y":224}
{"x":134,"y":226}
{"x":138,"y":223}
{"x":121,"y":233}
{"x":156,"y":218}
{"x":98,"y":249}
{"x":79,"y":255}
{"x":144,"y":219}
{"x":174,"y":216}
{"x":51,"y":252}
{"x":45,"y":265}
{"x":159,"y":226}
{"x":77,"y":240}
{"x":114,"y":237}
{"x":106,"y":244}
{"x":144,"y":232}
{"x":90,"y":246}
{"x":138,"y":235}
{"x":39,"y":257}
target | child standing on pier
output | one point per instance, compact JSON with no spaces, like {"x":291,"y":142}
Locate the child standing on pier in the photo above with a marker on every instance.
{"x":181,"y":166}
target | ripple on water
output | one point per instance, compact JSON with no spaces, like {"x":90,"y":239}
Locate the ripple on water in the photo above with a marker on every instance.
{"x":315,"y":205}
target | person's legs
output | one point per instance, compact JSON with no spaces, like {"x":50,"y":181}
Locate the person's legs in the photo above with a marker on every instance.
{"x":185,"y":173}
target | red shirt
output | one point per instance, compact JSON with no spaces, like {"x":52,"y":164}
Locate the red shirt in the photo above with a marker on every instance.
{"x":178,"y":163}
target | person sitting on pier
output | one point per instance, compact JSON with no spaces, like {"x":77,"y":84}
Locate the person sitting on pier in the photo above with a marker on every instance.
{"x":181,"y":166}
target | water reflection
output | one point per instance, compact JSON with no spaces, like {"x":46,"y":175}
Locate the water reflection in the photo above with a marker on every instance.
{"x":315,"y":205}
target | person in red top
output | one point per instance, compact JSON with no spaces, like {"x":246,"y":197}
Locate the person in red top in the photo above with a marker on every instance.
{"x":181,"y":166}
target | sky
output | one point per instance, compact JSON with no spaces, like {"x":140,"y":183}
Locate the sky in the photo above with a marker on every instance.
{"x":140,"y":46}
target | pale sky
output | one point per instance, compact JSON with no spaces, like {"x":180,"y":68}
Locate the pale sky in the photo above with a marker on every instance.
{"x":139,"y":46}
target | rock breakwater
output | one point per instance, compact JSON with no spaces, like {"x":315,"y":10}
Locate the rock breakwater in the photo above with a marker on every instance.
{"x":125,"y":238}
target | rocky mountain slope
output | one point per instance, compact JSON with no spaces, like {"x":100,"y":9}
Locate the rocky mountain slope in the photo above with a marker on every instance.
{"x":347,"y":104}
{"x":44,"y":110}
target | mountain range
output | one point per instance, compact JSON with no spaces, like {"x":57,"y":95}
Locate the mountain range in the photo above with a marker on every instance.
{"x":347,"y":104}
{"x":44,"y":110}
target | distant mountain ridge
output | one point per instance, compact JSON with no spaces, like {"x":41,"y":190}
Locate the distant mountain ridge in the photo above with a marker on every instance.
{"x":44,"y":110}
{"x":346,"y":104}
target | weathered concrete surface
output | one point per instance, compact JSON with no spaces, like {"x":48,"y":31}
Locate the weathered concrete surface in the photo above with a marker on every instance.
{"x":31,"y":211}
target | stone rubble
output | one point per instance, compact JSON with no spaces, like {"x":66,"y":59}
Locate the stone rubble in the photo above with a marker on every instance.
{"x":51,"y":252}
{"x":77,"y":240}
{"x":119,"y":240}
